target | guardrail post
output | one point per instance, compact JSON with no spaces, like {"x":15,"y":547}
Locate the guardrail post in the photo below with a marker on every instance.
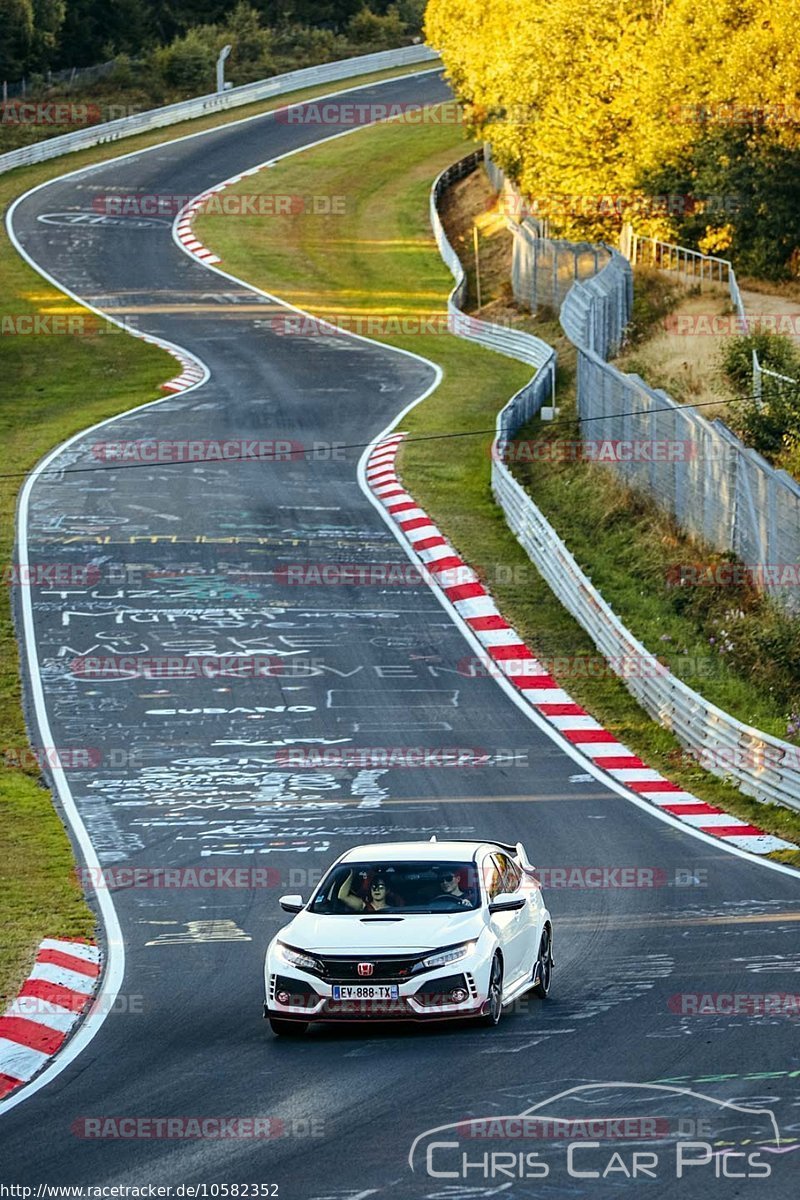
{"x":757,"y":380}
{"x":223,"y":54}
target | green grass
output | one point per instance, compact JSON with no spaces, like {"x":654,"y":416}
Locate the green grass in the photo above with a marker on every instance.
{"x":62,"y":383}
{"x":380,"y":258}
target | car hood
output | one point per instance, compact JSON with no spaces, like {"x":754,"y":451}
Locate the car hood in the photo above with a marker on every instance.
{"x":378,"y":935}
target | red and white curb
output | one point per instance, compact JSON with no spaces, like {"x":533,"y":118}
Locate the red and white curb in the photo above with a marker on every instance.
{"x":507,"y":655}
{"x":51,"y":1001}
{"x":191,"y":372}
{"x":183,"y":228}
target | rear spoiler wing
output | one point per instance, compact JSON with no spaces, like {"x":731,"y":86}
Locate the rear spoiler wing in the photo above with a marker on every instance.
{"x":517,"y":850}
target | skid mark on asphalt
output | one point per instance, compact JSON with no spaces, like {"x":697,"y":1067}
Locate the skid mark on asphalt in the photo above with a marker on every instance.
{"x":199,"y":932}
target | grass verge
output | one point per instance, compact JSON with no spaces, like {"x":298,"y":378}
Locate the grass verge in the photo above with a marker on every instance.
{"x":62,"y":383}
{"x":379,"y":261}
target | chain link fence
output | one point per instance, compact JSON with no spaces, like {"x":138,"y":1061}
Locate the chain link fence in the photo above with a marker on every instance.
{"x":717,"y":488}
{"x":514,"y":343}
{"x":764,"y":767}
{"x":67,"y":79}
{"x":543,"y":270}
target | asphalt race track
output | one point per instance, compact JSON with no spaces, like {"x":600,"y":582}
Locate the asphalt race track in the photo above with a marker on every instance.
{"x":190,"y":559}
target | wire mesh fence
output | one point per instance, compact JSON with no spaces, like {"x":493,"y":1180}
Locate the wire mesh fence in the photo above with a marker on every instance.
{"x":718,"y":489}
{"x":543,"y":270}
{"x":699,"y":476}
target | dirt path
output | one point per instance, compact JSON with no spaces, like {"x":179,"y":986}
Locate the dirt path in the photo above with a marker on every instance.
{"x":777,"y":313}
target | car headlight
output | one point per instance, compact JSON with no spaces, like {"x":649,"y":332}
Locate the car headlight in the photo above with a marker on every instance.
{"x":441,"y":958}
{"x":296,"y":958}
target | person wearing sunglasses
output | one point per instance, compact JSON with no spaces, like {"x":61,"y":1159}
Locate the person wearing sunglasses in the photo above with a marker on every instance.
{"x":377,"y":897}
{"x":449,"y":886}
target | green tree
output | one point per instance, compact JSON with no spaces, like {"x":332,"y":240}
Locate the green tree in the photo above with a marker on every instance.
{"x":48,"y":18}
{"x":16,"y":21}
{"x":94,"y":31}
{"x":746,"y":181}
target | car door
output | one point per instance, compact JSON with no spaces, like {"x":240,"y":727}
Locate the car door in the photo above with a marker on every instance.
{"x":513,"y":928}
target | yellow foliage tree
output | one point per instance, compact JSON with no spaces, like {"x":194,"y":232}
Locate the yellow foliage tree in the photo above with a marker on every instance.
{"x":583,"y":101}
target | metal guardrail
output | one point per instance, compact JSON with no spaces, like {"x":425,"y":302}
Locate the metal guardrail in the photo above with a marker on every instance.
{"x":200,"y":106}
{"x":763,"y":766}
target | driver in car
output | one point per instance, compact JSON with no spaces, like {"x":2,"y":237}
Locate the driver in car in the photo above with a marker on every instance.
{"x":450,"y":888}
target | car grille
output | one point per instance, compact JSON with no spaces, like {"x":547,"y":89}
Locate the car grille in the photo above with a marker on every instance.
{"x":345,"y":969}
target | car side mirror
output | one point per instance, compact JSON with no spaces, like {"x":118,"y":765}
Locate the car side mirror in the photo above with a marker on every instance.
{"x":506,"y":902}
{"x":292,"y":904}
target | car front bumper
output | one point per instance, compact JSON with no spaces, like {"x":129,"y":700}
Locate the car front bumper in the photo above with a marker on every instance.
{"x":293,"y":995}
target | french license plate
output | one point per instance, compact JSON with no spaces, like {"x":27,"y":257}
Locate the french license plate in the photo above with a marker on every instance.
{"x":366,"y":991}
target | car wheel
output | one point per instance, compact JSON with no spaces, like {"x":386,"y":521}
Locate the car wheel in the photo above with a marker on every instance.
{"x":543,"y":971}
{"x":287,"y":1028}
{"x":494,"y":999}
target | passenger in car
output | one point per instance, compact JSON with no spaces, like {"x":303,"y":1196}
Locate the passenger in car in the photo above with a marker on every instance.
{"x":377,"y":898}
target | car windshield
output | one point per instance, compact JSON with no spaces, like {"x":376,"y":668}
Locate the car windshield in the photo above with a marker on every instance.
{"x":407,"y":887}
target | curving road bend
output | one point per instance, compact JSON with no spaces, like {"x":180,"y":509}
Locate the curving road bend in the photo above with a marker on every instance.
{"x":192,"y":559}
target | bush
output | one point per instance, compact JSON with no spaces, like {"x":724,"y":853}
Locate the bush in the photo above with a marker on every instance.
{"x":365,"y":28}
{"x":189,"y":61}
{"x":307,"y":44}
{"x":655,"y":295}
{"x":774,"y":351}
{"x":752,"y":633}
{"x":789,"y":457}
{"x":773,"y":425}
{"x":122,"y":75}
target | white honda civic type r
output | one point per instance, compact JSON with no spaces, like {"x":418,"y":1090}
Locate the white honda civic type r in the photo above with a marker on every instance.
{"x":415,"y":931}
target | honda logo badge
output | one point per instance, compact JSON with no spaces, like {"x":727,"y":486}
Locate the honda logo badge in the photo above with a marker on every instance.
{"x":366,"y":968}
